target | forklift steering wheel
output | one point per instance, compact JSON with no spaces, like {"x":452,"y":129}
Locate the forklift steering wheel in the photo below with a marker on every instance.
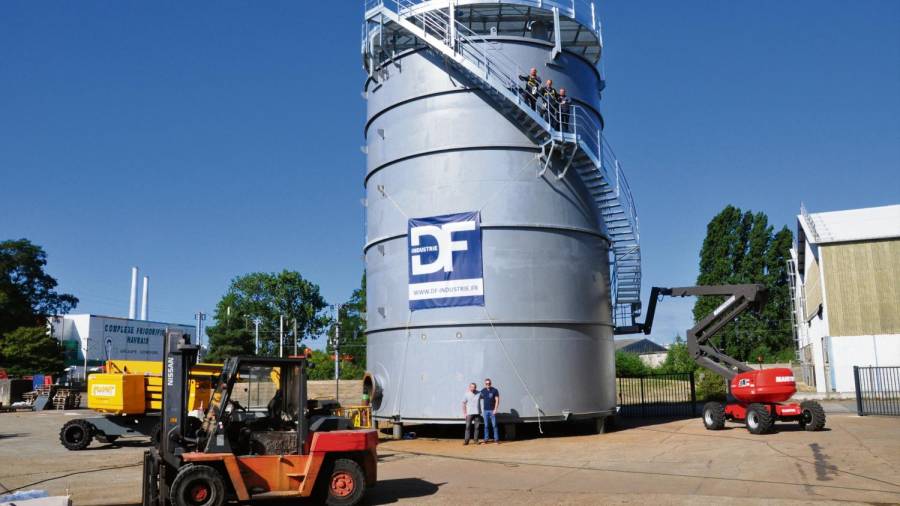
{"x":237,"y":405}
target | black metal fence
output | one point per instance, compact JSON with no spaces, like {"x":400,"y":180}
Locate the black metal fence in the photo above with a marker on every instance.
{"x":657,"y":395}
{"x":877,"y":390}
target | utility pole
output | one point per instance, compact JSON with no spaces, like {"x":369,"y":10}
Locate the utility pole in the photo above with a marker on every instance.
{"x":200,"y":317}
{"x":337,"y":362}
{"x":281,"y":336}
{"x":296,"y":340}
{"x":256,"y":321}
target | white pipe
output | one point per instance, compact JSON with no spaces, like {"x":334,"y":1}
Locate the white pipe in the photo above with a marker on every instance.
{"x":132,"y":305}
{"x":144,"y":298}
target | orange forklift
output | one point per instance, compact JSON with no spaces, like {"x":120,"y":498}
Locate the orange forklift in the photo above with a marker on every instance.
{"x":260,"y":438}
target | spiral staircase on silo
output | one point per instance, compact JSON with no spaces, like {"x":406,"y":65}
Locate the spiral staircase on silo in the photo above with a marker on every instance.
{"x":392,"y":25}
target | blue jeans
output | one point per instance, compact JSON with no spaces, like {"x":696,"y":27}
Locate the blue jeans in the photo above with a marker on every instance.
{"x":490,"y":419}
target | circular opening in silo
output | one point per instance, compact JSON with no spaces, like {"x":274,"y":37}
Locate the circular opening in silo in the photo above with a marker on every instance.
{"x":372,"y":391}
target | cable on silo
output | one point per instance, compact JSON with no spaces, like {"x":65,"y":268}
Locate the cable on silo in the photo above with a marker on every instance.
{"x":403,"y":369}
{"x":387,"y":196}
{"x":515,"y":369}
{"x":537,"y":156}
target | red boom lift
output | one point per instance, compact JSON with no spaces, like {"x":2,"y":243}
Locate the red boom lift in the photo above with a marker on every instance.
{"x":755,"y":397}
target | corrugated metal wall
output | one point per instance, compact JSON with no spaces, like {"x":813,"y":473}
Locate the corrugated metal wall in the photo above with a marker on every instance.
{"x":813,"y":289}
{"x":863,"y":284}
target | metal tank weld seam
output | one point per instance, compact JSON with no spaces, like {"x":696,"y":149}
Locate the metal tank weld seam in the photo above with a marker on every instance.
{"x":450,"y":149}
{"x":501,"y":226}
{"x":506,"y":323}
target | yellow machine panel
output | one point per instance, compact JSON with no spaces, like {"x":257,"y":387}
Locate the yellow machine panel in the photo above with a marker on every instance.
{"x":132,"y":387}
{"x":116,"y":393}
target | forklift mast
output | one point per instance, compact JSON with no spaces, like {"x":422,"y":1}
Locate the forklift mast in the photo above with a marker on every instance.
{"x":178,"y":357}
{"x":740,"y":299}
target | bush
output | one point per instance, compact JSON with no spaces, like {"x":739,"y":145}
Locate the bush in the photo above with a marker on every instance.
{"x":630,"y":364}
{"x":709,"y":386}
{"x":770,"y":357}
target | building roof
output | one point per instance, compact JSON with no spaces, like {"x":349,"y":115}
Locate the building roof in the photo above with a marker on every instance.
{"x":864,"y":224}
{"x":639,"y":345}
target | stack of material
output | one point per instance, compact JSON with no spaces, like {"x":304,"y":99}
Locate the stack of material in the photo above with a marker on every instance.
{"x":41,"y":398}
{"x":66,"y":399}
{"x":11,"y":390}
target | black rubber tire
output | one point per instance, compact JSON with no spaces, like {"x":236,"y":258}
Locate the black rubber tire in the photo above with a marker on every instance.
{"x":197,"y":485}
{"x":76,"y":434}
{"x":350,"y":471}
{"x":812,"y":416}
{"x":103,"y":438}
{"x":714,"y":416}
{"x":759,"y":420}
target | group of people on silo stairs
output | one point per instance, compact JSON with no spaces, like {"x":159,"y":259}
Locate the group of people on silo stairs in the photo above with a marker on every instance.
{"x":478,"y":405}
{"x":556,"y":106}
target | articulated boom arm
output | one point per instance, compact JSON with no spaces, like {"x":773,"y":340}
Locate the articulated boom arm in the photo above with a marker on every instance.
{"x":740,"y":299}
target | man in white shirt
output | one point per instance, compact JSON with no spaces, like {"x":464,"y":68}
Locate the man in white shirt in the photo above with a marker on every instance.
{"x":472,"y":411}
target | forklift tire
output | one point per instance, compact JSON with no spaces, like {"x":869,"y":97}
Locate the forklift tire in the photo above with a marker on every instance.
{"x":344,"y":484}
{"x":197,"y":485}
{"x":812,"y":416}
{"x":759,"y":420}
{"x":714,"y":416}
{"x":76,"y":434}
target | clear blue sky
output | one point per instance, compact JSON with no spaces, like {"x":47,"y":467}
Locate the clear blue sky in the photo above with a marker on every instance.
{"x":203,"y":140}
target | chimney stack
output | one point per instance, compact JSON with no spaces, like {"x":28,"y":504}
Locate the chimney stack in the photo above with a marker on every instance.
{"x":144,"y":299}
{"x":132,"y":305}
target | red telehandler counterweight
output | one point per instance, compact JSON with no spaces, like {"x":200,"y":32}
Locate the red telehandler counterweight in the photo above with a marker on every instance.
{"x":755,"y":397}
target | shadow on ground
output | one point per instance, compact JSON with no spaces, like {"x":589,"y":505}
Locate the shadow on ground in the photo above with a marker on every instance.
{"x":525,"y":431}
{"x":126,"y":443}
{"x":385,"y":492}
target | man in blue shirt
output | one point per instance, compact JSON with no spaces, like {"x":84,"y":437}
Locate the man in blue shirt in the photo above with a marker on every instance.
{"x":490,"y":399}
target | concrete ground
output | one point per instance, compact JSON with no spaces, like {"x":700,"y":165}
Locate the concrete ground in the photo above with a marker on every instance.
{"x":666,"y":462}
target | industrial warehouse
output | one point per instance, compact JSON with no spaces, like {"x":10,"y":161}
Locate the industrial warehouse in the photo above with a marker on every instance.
{"x":469,"y":308}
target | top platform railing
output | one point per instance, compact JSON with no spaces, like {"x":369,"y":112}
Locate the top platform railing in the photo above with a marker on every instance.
{"x":582,"y":11}
{"x":580,"y":124}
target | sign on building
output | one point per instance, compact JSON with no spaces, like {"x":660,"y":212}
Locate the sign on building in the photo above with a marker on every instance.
{"x":445,"y":261}
{"x":102,"y":338}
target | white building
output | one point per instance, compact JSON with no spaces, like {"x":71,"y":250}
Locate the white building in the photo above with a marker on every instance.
{"x":92,"y":340}
{"x":845,"y":270}
{"x":650,"y":353}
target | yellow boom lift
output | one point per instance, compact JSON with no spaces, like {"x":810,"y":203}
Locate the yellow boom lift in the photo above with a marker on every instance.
{"x":128,"y":399}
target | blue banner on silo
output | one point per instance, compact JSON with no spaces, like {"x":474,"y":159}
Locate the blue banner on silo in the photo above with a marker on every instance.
{"x":445,"y":266}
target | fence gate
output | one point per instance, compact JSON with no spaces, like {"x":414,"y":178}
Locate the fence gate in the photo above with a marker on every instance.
{"x":877,"y":390}
{"x":655,"y":395}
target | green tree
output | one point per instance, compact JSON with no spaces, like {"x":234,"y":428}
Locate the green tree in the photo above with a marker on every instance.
{"x":266,"y":296}
{"x":352,"y":318}
{"x":678,"y":359}
{"x":323,"y":367}
{"x":740,"y":248}
{"x":31,"y":350}
{"x":27,"y":296}
{"x":27,"y":293}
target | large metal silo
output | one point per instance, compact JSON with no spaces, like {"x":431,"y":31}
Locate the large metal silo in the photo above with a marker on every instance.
{"x":448,"y":132}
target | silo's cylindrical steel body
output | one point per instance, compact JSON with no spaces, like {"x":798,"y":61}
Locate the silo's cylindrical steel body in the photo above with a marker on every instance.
{"x":437,"y":145}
